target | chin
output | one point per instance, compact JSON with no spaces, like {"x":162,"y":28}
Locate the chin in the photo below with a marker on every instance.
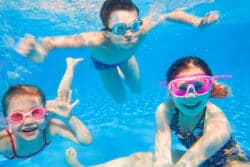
{"x":29,"y":135}
{"x":126,"y":44}
{"x":191,"y":110}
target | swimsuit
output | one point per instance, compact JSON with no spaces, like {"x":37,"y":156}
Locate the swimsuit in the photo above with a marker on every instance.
{"x":24,"y":156}
{"x":102,"y":66}
{"x":229,"y":152}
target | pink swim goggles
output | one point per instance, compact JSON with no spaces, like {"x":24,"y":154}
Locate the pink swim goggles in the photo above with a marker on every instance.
{"x":18,"y":116}
{"x":201,"y":84}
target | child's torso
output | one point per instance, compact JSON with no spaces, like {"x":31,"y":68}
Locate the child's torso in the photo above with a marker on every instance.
{"x":230,"y":151}
{"x":13,"y":150}
{"x":109,"y":53}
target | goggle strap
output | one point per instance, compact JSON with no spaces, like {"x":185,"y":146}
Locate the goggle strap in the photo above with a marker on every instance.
{"x":222,"y":76}
{"x":162,"y":83}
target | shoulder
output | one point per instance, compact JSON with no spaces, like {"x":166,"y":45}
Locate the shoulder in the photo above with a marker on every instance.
{"x":4,"y":141}
{"x":147,"y":23}
{"x":213,"y":110}
{"x":215,"y":117}
{"x":93,"y":38}
{"x":165,"y":112}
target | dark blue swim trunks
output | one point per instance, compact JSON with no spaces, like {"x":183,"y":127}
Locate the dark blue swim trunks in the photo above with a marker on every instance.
{"x":102,"y":66}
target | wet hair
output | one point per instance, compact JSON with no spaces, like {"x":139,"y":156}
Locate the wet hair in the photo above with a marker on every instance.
{"x":19,"y":90}
{"x":111,"y":5}
{"x":218,"y":90}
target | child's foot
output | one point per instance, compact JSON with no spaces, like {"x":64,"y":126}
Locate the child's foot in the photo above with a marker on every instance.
{"x":71,"y":157}
{"x":209,"y":18}
{"x":73,"y":61}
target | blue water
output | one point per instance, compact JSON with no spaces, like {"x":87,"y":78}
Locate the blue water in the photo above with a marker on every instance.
{"x":119,"y":130}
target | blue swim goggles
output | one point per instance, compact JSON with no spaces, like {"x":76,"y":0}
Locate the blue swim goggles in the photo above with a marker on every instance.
{"x":121,"y":28}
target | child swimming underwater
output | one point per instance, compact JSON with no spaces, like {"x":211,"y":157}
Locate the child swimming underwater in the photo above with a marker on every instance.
{"x":199,"y":124}
{"x":30,"y":126}
{"x":113,"y":48}
{"x":189,"y":114}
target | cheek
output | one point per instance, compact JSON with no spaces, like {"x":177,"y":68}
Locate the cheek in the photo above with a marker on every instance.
{"x":43,"y":123}
{"x":14,"y":128}
{"x":204,"y":98}
{"x":178,"y":102}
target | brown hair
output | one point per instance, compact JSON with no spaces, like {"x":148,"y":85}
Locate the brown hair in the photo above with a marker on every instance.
{"x":111,"y":5}
{"x":218,"y":90}
{"x":21,"y":89}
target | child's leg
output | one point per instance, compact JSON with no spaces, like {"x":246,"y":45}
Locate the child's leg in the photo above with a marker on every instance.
{"x":65,"y":84}
{"x":113,"y":84}
{"x":134,"y":160}
{"x":131,"y":73}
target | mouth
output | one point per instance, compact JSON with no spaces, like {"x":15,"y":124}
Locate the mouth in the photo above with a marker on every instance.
{"x":130,"y":38}
{"x":192,"y":106}
{"x":29,"y":130}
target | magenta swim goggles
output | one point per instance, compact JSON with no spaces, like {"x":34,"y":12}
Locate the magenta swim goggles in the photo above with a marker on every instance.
{"x":200,"y":84}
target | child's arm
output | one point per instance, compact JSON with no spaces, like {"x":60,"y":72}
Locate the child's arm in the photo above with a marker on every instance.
{"x":162,"y":154}
{"x":181,"y":16}
{"x":4,"y":142}
{"x":36,"y":51}
{"x":216,"y":133}
{"x":72,"y":128}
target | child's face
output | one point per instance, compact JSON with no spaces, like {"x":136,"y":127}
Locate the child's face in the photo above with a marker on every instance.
{"x":128,"y":18}
{"x":191,"y":104}
{"x":29,"y":128}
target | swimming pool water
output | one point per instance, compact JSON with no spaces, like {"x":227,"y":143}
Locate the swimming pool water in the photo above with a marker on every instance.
{"x":120,"y":130}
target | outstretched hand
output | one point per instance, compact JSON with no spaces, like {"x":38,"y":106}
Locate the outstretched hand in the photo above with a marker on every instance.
{"x":209,"y":18}
{"x":29,"y":48}
{"x":61,"y":105}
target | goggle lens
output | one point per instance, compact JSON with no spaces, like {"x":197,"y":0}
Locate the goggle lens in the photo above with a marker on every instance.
{"x":16,"y":117}
{"x":119,"y":29}
{"x":38,"y":113}
{"x":135,"y":25}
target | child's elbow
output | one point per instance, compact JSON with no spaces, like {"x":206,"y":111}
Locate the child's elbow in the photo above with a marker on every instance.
{"x":86,"y":140}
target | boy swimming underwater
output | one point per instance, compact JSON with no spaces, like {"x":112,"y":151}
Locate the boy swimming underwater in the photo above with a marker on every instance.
{"x":113,"y":48}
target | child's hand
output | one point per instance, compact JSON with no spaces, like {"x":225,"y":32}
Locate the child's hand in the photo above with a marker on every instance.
{"x":28,"y":47}
{"x":209,"y":18}
{"x":182,"y":164}
{"x":61,"y":105}
{"x":71,"y":157}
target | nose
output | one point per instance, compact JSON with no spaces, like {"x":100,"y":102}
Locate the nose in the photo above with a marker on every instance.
{"x":128,"y":33}
{"x":28,"y":121}
{"x":190,"y":91}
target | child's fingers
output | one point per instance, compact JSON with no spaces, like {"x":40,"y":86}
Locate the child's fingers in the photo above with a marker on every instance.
{"x":75,"y":103}
{"x":60,"y":95}
{"x":25,"y":45}
{"x":69,"y":96}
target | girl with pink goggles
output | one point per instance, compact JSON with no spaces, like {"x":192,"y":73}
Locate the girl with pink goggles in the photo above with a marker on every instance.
{"x":200,"y":84}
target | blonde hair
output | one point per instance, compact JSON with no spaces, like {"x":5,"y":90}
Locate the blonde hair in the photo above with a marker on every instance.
{"x":21,"y":89}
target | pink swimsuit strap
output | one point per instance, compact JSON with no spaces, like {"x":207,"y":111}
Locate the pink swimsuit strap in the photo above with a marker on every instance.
{"x":24,"y":156}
